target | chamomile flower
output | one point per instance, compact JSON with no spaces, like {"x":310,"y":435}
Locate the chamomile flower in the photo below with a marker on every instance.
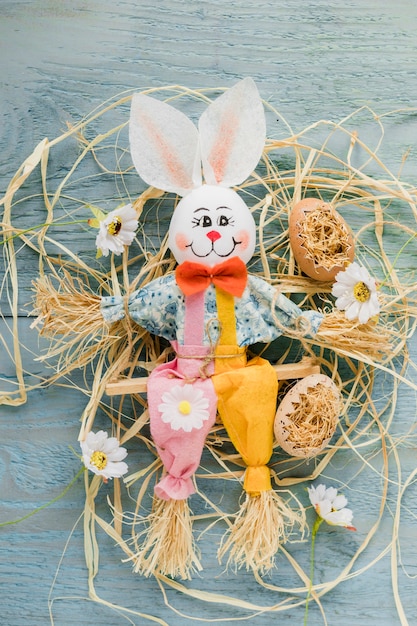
{"x":117,"y":230}
{"x":184,"y":407}
{"x":103,"y":455}
{"x":331,"y":506}
{"x":356,"y":294}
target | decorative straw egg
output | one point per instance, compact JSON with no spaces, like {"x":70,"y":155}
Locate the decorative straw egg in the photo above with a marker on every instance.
{"x":320,"y":239}
{"x":307,"y":417}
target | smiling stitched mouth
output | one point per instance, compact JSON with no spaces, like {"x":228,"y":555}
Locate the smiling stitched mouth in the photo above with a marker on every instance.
{"x":201,"y":256}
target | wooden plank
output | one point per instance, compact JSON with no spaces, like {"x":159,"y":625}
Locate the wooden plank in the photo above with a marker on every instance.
{"x":285,"y":371}
{"x":311,"y":61}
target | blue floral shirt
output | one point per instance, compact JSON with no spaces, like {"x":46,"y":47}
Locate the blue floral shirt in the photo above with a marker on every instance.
{"x":262,"y":313}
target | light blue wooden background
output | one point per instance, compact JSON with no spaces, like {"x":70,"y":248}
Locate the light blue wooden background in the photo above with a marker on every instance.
{"x":311,"y":60}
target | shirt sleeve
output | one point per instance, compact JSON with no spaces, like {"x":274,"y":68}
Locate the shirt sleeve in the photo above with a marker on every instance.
{"x":154,"y":307}
{"x":262,"y":314}
{"x":266,"y":314}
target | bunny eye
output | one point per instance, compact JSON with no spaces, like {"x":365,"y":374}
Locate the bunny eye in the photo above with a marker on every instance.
{"x":204,"y":221}
{"x":223,"y":220}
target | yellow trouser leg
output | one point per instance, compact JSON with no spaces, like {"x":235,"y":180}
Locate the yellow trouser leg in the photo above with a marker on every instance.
{"x":247,"y":403}
{"x":247,"y":395}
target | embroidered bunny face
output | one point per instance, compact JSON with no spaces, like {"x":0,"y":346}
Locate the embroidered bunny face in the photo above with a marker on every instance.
{"x":210,"y":225}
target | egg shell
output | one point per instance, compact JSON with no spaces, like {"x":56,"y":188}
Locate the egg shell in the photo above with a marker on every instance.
{"x":286,"y":408}
{"x":309,"y":265}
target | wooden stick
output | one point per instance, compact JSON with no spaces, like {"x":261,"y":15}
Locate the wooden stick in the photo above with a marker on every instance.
{"x":286,"y":371}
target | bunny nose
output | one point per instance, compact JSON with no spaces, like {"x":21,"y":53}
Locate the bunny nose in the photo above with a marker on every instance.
{"x":213,"y":235}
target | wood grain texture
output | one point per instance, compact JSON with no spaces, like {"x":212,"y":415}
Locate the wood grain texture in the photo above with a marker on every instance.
{"x":312,"y":60}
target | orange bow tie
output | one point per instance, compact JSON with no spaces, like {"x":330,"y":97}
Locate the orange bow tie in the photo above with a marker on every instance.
{"x":231,"y":276}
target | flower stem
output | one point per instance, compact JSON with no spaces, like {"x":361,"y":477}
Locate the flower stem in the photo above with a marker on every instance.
{"x":316,"y":526}
{"x":44,"y":506}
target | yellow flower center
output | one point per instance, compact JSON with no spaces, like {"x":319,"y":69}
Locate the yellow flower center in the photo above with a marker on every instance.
{"x":115,"y":225}
{"x":184,"y":407}
{"x":99,"y":459}
{"x":361,"y":292}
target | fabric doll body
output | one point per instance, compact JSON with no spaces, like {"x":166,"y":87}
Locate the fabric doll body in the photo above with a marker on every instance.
{"x":180,"y":424}
{"x":210,"y":332}
{"x":159,"y":307}
{"x":210,"y":328}
{"x":208,"y":312}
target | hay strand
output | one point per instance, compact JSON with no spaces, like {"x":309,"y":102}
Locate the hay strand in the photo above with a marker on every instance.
{"x":307,"y":418}
{"x":370,"y":342}
{"x":263,"y":523}
{"x":381,"y":210}
{"x":314,"y":418}
{"x":166,"y":545}
{"x":324,"y":237}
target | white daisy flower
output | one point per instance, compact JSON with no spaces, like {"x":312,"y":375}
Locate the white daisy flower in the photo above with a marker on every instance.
{"x":330,"y":506}
{"x":184,"y":407}
{"x":356,"y":294}
{"x":117,"y":230}
{"x":103,"y":455}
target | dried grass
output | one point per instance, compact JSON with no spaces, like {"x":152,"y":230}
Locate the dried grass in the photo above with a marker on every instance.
{"x":166,"y":545}
{"x":262,"y":525}
{"x":324,"y":237}
{"x":381,"y":209}
{"x":313,"y":420}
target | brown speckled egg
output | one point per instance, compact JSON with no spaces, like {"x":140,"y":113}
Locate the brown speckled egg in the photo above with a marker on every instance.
{"x":320,"y":239}
{"x":307,"y":417}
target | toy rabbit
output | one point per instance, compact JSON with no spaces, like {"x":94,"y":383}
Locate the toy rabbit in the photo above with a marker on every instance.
{"x":211,"y":310}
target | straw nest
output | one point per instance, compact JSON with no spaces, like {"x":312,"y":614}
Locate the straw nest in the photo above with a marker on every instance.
{"x":308,"y":415}
{"x":379,"y":208}
{"x":325,"y":238}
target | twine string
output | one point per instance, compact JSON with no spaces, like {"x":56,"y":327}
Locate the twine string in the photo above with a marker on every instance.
{"x":212,"y":353}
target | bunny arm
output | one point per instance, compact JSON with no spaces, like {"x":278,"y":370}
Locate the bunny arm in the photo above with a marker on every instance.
{"x":159,"y":308}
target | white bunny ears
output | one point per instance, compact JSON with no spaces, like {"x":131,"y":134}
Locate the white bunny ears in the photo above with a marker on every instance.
{"x":169,"y":152}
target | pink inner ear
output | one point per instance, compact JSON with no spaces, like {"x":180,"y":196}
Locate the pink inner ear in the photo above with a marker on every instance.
{"x":220,"y":153}
{"x":181,"y":241}
{"x":174,"y":167}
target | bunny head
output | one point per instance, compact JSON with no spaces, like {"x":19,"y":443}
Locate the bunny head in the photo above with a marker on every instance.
{"x":211,"y":223}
